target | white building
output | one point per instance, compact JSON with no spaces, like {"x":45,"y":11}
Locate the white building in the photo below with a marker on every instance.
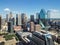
{"x":53,"y":14}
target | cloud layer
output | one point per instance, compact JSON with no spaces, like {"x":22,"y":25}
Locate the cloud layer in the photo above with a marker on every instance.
{"x":6,"y":9}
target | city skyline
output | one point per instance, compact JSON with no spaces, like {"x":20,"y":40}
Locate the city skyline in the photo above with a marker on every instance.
{"x":30,"y":7}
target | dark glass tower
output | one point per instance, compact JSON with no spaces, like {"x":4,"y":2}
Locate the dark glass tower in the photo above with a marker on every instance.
{"x":17,"y":19}
{"x":10,"y":27}
{"x":0,"y":22}
{"x":32,"y":18}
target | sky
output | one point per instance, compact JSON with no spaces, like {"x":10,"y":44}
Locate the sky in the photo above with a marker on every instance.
{"x":30,"y":7}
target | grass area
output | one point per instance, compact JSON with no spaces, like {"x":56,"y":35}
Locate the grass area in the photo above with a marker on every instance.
{"x":10,"y":36}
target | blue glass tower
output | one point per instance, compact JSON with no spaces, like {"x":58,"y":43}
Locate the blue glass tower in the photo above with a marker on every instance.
{"x":42,"y":14}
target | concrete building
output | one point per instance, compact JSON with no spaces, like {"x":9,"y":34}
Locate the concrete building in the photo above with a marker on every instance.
{"x":19,"y":19}
{"x":18,"y":28}
{"x":23,"y":18}
{"x":24,"y":21}
{"x":32,"y":26}
{"x":37,"y":18}
{"x":37,"y":27}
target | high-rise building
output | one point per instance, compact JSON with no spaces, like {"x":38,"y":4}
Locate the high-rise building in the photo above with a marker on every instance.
{"x":37,"y":27}
{"x":24,"y":21}
{"x":23,"y":18}
{"x":10,"y":27}
{"x":18,"y":28}
{"x":18,"y":19}
{"x":13,"y":20}
{"x":43,"y":14}
{"x":28,"y":26}
{"x":10,"y":15}
{"x":7,"y":18}
{"x":0,"y":22}
{"x":32,"y":26}
{"x":32,"y":18}
{"x":37,"y":18}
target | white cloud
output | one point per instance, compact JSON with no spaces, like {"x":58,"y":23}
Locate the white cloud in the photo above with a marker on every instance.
{"x":6,"y":9}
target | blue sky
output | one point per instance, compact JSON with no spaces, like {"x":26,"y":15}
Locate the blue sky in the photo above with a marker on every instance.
{"x":28,"y":6}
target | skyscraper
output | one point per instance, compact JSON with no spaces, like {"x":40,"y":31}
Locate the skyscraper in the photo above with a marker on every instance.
{"x":32,"y":18}
{"x":10,"y":15}
{"x":37,"y":27}
{"x":37,"y":18}
{"x":13,"y":20}
{"x":42,"y":14}
{"x":32,"y":26}
{"x":0,"y":23}
{"x":24,"y":20}
{"x":10,"y":27}
{"x":7,"y":18}
{"x":18,"y":19}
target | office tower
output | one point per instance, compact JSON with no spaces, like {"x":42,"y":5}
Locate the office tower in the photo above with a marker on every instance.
{"x":32,"y":26}
{"x":10,"y":27}
{"x":10,"y":15}
{"x":37,"y":27}
{"x":28,"y":26}
{"x":37,"y":18}
{"x":36,"y":40}
{"x":13,"y":20}
{"x":32,"y":18}
{"x":23,"y":18}
{"x":7,"y":18}
{"x":24,"y":21}
{"x":0,"y":22}
{"x":18,"y":19}
{"x":42,"y":14}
